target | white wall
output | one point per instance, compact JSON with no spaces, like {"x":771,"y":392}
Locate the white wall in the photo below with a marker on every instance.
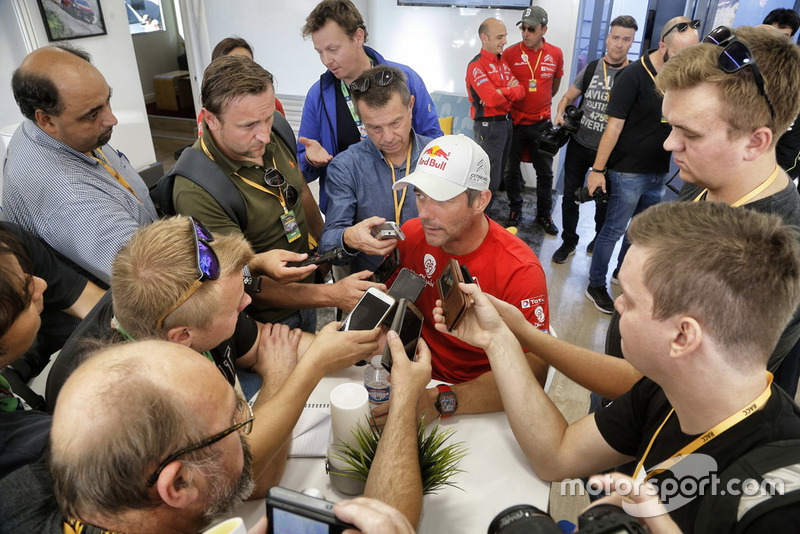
{"x":112,"y":54}
{"x":437,"y":42}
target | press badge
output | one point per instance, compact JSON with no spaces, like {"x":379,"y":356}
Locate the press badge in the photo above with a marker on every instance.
{"x":532,"y":85}
{"x":290,"y":227}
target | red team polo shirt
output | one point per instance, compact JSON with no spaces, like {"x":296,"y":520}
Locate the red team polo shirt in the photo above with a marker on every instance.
{"x":545,"y":64}
{"x":487,"y":73}
{"x":503,"y":266}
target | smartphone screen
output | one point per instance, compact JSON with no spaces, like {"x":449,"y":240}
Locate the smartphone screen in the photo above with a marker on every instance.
{"x":368,"y":313}
{"x":408,"y":328}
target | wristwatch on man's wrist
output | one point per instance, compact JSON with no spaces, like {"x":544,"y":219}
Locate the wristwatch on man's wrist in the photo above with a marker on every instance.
{"x":446,"y":402}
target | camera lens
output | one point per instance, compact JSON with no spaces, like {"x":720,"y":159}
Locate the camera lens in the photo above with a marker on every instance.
{"x":523,"y":519}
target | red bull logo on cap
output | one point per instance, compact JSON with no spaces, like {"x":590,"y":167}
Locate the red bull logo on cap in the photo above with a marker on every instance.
{"x":434,"y":152}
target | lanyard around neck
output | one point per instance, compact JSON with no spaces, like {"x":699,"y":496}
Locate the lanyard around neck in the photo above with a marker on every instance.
{"x":525,"y":56}
{"x":648,"y":70}
{"x":734,"y":419}
{"x":121,"y":179}
{"x":362,"y":131}
{"x":398,"y":206}
{"x":605,"y":76}
{"x":279,"y":196}
{"x":749,"y":196}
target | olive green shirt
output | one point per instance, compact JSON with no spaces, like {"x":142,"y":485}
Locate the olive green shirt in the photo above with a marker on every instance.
{"x":264,"y":230}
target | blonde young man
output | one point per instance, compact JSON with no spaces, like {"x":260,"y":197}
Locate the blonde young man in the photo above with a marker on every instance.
{"x":158,"y":292}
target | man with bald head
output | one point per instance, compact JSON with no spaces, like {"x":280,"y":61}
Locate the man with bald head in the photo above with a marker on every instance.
{"x":135,"y":447}
{"x":491,"y":89}
{"x":61,"y":180}
{"x":631,"y":163}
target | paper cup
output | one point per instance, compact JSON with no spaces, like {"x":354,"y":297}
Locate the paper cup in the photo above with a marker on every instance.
{"x":234,"y":525}
{"x":349,"y":406}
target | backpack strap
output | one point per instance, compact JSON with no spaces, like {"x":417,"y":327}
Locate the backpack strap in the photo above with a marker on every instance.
{"x":283,"y":129}
{"x":588,"y":73}
{"x":198,"y":168}
{"x":775,"y":467}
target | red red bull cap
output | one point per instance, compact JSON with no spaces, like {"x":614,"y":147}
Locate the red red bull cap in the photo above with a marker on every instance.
{"x":447,"y":167}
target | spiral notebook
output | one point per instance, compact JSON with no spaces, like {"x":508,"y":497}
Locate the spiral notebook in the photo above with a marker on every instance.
{"x":312,"y":433}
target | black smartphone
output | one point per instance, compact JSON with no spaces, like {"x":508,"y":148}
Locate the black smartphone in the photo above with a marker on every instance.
{"x":387,"y":267}
{"x":408,"y":325}
{"x":290,"y":512}
{"x":466,"y":275}
{"x":408,"y":285}
{"x":370,"y":311}
{"x":318,"y":258}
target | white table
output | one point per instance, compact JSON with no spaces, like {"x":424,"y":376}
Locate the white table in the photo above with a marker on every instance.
{"x":496,"y":473}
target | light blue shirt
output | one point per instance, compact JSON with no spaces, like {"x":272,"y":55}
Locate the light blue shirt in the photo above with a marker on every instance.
{"x":359,"y":186}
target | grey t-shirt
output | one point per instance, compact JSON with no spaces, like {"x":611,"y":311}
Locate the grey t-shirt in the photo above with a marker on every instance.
{"x":595,"y":101}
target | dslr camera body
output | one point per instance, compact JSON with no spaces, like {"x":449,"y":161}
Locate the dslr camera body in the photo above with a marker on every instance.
{"x":557,"y":136}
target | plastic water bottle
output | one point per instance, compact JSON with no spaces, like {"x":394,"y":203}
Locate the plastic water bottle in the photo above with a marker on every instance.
{"x":376,"y":380}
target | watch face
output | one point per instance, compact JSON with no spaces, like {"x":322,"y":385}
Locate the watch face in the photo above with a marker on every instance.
{"x":447,"y":402}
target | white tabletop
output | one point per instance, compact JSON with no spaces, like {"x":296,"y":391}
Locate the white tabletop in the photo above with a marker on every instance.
{"x":496,"y":473}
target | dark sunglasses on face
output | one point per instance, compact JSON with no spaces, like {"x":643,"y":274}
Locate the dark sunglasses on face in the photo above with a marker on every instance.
{"x":735,"y":56}
{"x":243,"y":409}
{"x":275,"y":178}
{"x":207,"y":266}
{"x":683,"y":26}
{"x":526,"y":28}
{"x":381,"y":78}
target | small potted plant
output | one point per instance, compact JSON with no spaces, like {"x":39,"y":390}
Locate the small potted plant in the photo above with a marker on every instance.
{"x":438,"y":459}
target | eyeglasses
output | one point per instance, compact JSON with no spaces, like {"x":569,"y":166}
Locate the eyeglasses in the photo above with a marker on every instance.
{"x":275,"y":178}
{"x":683,"y":26}
{"x":381,"y":78}
{"x":207,"y":266}
{"x":735,"y":56}
{"x":526,"y":28}
{"x":242,"y":407}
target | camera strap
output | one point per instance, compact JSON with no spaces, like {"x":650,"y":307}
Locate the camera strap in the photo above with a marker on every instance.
{"x":717,"y":430}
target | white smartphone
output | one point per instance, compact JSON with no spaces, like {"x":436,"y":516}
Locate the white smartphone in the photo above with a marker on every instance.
{"x":370,"y":311}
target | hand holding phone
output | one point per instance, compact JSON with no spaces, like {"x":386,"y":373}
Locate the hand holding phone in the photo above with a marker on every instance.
{"x":370,"y":311}
{"x":408,"y":325}
{"x":454,"y":302}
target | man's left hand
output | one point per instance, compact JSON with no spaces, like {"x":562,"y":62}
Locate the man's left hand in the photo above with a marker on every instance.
{"x":359,"y":237}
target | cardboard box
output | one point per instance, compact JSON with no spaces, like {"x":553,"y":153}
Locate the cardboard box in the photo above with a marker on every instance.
{"x":173,"y":90}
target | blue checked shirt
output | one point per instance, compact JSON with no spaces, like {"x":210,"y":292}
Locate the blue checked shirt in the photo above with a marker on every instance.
{"x":72,"y":202}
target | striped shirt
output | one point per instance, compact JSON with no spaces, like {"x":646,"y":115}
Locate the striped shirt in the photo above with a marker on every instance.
{"x":70,"y":201}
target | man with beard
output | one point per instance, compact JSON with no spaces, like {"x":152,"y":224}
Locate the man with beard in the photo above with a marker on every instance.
{"x":138,"y":448}
{"x":61,"y":180}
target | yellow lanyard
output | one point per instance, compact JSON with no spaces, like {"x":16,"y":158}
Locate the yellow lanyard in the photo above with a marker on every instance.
{"x":399,"y":206}
{"x":749,"y":196}
{"x":121,"y":179}
{"x":734,"y":419}
{"x":648,"y":70}
{"x":76,"y":526}
{"x":250,"y":183}
{"x":525,"y":55}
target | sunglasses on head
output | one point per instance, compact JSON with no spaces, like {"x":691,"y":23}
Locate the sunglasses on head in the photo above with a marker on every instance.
{"x":735,"y":56}
{"x":381,"y":79}
{"x":683,"y":26}
{"x":207,"y":266}
{"x":274,"y":178}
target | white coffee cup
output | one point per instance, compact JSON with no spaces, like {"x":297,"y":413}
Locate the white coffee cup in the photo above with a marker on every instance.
{"x":234,"y":525}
